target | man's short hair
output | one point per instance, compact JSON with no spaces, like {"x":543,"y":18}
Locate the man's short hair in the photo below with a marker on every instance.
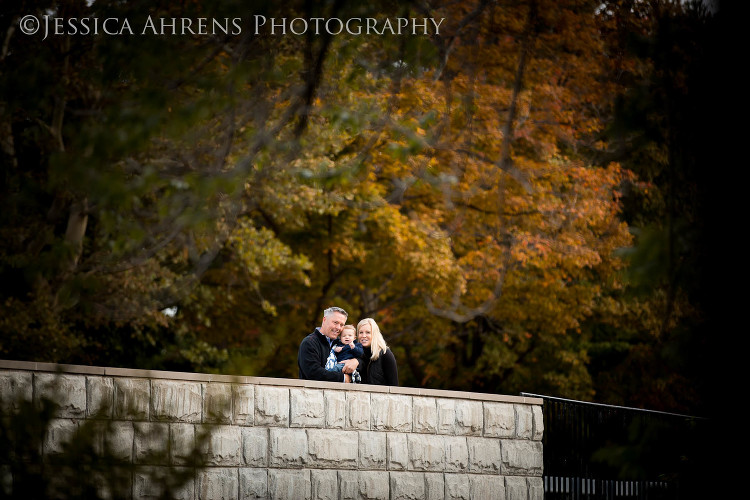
{"x":332,"y":310}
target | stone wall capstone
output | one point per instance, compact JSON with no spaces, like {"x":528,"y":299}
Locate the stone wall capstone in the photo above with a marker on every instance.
{"x":279,"y":438}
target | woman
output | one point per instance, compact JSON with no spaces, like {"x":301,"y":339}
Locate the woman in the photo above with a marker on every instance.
{"x":379,"y":364}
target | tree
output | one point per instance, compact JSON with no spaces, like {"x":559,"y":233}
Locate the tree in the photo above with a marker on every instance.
{"x":121,"y":177}
{"x":480,"y":261}
{"x":467,"y":189}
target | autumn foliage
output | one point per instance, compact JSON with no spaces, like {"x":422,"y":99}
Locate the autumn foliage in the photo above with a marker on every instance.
{"x":475,"y":192}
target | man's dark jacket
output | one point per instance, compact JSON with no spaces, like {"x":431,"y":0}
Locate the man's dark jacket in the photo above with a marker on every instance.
{"x":311,"y":359}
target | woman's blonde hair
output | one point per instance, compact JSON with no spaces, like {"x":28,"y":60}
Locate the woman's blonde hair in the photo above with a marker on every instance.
{"x":377,"y":344}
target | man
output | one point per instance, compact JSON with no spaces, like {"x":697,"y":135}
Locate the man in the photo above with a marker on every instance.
{"x":315,"y":348}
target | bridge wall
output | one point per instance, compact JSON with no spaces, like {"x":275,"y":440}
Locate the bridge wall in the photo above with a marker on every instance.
{"x":284,"y":438}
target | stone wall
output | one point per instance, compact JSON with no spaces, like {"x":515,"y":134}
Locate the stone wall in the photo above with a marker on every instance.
{"x":284,"y":438}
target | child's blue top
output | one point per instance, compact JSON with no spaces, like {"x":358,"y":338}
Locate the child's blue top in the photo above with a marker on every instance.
{"x":347,"y":352}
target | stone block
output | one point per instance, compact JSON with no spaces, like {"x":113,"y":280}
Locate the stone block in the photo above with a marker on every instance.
{"x":446,"y":416}
{"x":68,"y":392}
{"x":407,"y":485}
{"x":538,"y":423}
{"x":224,"y":446}
{"x":348,"y":485}
{"x":59,"y":433}
{"x":97,"y":431}
{"x":499,"y":420}
{"x":217,"y":403}
{"x":398,"y":451}
{"x":57,"y":481}
{"x":108,"y":484}
{"x":457,"y":487}
{"x":132,"y":398}
{"x":176,"y":401}
{"x":109,"y":440}
{"x":372,"y":450}
{"x":150,"y":443}
{"x":151,"y":482}
{"x":15,"y":387}
{"x":286,"y":484}
{"x":186,"y":490}
{"x":181,"y":443}
{"x":536,"y":488}
{"x":426,"y":452}
{"x":486,"y":487}
{"x":308,"y":408}
{"x":271,"y":406}
{"x":469,"y":418}
{"x":253,"y":483}
{"x":516,"y":488}
{"x":524,"y":421}
{"x":425,"y":415}
{"x":144,"y":485}
{"x":373,"y":485}
{"x":243,"y":409}
{"x":335,"y":402}
{"x":119,"y":440}
{"x":324,"y":485}
{"x":330,"y":448}
{"x":100,"y":397}
{"x":521,"y":457}
{"x":288,"y":447}
{"x":456,"y":454}
{"x":484,"y":455}
{"x":255,"y":446}
{"x":391,"y":412}
{"x":218,"y":483}
{"x":434,"y":486}
{"x":358,"y":410}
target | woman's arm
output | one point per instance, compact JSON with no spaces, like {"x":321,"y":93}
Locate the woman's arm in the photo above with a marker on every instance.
{"x":390,"y":370}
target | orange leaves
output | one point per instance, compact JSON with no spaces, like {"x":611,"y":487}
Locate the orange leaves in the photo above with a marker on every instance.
{"x":424,"y":194}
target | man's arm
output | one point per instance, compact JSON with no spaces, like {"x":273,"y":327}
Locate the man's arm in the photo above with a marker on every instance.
{"x":310,"y":367}
{"x":350,"y":365}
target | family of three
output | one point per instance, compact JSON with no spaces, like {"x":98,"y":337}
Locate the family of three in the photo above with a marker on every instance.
{"x":338,"y":352}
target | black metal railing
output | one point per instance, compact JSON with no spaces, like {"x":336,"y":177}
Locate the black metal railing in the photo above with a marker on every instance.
{"x":594,"y":451}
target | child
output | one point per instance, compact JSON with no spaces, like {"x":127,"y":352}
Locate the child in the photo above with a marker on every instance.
{"x":345,"y":348}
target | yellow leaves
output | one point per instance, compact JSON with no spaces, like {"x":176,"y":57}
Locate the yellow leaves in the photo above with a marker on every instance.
{"x":415,"y":250}
{"x":430,"y":212}
{"x":262,"y":254}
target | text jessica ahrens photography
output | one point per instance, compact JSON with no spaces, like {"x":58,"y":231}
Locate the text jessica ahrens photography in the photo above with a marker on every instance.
{"x":259,"y":25}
